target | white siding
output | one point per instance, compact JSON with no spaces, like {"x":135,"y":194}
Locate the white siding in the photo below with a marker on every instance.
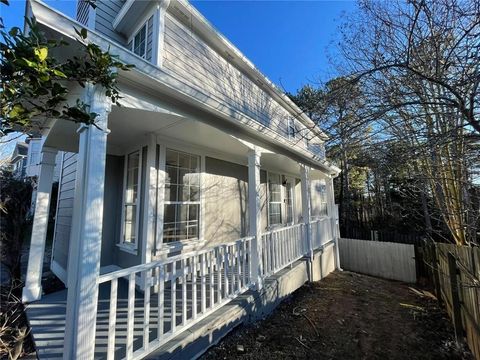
{"x":63,"y":219}
{"x":105,"y":14}
{"x":192,"y":59}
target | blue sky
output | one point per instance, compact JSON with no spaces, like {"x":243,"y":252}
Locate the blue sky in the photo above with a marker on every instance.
{"x":286,"y":40}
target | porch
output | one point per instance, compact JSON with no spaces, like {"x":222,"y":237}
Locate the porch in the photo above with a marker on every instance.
{"x":135,"y":320}
{"x":147,"y":220}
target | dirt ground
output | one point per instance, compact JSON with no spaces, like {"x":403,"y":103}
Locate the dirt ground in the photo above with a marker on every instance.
{"x":348,"y":316}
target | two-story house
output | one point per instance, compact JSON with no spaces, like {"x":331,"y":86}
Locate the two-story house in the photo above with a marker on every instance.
{"x":207,"y":183}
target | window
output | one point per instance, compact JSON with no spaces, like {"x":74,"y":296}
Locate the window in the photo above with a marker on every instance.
{"x":34,"y":153}
{"x":289,"y":201}
{"x":274,"y":199}
{"x":321,"y":190}
{"x":182,"y":197}
{"x":131,"y":199}
{"x":140,"y":42}
{"x":292,"y":131}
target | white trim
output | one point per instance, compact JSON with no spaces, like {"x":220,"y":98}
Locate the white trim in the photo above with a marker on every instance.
{"x":134,"y":34}
{"x":149,"y":200}
{"x":60,"y":180}
{"x":201,"y":224}
{"x":161,"y":247}
{"x":160,"y":197}
{"x":291,"y":180}
{"x":59,"y":272}
{"x":121,"y":14}
{"x":131,"y":248}
{"x":281,"y":224}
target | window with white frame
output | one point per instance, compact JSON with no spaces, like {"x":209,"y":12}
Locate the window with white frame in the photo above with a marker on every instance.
{"x":289,"y":196}
{"x":321,"y":190}
{"x":131,"y":199}
{"x":139,"y":44}
{"x":292,"y":131}
{"x":34,"y":156}
{"x":182,"y":197}
{"x":274,"y":199}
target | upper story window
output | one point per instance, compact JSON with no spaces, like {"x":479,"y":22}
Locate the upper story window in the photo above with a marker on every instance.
{"x":182,"y":197}
{"x":131,"y":199}
{"x":292,"y":131}
{"x":140,"y":42}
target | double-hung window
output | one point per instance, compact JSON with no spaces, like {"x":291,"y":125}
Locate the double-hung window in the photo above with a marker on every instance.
{"x":321,"y":190}
{"x":274,"y":199}
{"x":140,"y":42}
{"x":131,"y":199}
{"x":182,"y":197}
{"x":292,"y":131}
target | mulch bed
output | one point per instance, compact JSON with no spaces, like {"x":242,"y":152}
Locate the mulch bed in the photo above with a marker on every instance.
{"x":348,"y":316}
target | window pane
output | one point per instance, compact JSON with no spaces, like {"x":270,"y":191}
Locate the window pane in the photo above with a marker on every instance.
{"x":139,"y":42}
{"x":131,"y":196}
{"x":171,"y":176}
{"x":181,"y":222}
{"x":184,"y":160}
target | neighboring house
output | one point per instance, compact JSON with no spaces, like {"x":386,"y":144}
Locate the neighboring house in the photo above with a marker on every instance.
{"x":18,"y":161}
{"x":201,"y":186}
{"x":33,"y":159}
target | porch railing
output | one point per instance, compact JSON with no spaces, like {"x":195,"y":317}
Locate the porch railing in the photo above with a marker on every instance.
{"x":142,"y":307}
{"x":281,"y":247}
{"x":177,"y":293}
{"x":321,"y":232}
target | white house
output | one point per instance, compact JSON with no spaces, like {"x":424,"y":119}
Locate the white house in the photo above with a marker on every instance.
{"x":18,"y":161}
{"x":198,"y":190}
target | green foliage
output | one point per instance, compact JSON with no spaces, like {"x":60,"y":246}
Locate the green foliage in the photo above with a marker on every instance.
{"x":35,"y":82}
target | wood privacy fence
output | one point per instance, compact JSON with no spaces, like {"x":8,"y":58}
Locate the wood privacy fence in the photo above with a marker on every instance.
{"x":383,"y":259}
{"x":455,"y":271}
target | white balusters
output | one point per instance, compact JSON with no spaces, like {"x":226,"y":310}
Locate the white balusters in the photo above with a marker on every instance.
{"x":146,"y":310}
{"x":194,"y":286}
{"x":221,"y":273}
{"x":112,"y":319}
{"x":130,"y":314}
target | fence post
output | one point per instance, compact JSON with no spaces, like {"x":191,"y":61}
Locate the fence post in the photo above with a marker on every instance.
{"x":436,"y":278}
{"x":456,"y":310}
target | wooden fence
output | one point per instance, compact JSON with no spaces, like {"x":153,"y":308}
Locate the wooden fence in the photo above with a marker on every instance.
{"x":455,"y":271}
{"x":383,"y":259}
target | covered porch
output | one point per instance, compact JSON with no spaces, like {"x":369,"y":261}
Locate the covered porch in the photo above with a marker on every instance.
{"x":142,"y":294}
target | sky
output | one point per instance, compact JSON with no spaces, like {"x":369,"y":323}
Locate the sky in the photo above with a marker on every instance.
{"x":286,"y":40}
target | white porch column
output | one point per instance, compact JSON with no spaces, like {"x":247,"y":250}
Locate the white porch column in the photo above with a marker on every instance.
{"x":333,"y":214}
{"x":33,"y":283}
{"x":86,"y":233}
{"x":150,"y":200}
{"x":306,"y":206}
{"x":254,"y":216}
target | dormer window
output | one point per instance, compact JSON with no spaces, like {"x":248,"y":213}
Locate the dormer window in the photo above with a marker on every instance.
{"x":140,"y":42}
